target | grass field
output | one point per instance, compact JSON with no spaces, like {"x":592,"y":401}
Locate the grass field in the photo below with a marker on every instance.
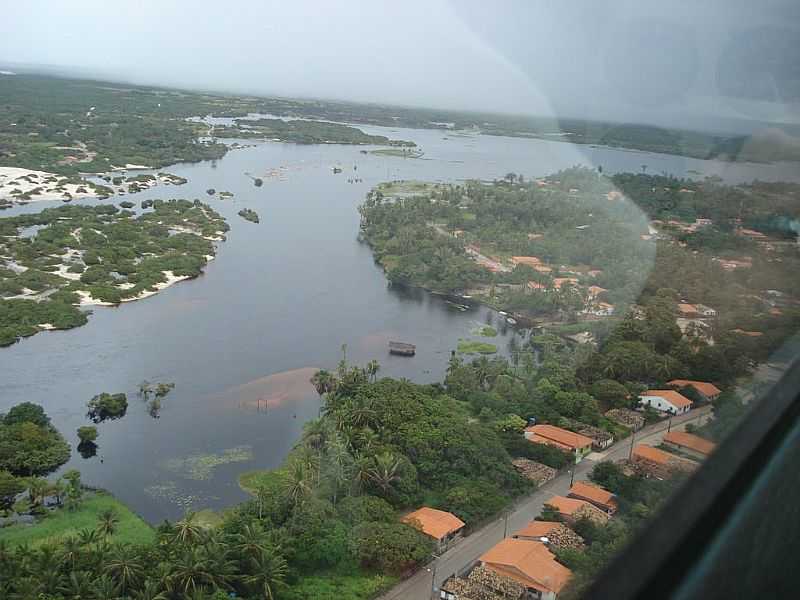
{"x":401,"y":152}
{"x":351,"y":583}
{"x":473,"y":347}
{"x":252,"y":481}
{"x":62,"y":523}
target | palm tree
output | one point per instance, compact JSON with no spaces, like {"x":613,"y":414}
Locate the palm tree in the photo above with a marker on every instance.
{"x":268,"y":574}
{"x":297,"y":485}
{"x":125,"y":569}
{"x":191,"y":572}
{"x":26,"y":588}
{"x":77,"y":586}
{"x":104,"y":588}
{"x":323,"y":381}
{"x":150,"y":590}
{"x":107,"y":522}
{"x":372,"y":369}
{"x":187,"y":530}
{"x":385,"y":471}
{"x":250,"y":541}
{"x":87,"y":537}
{"x":70,"y":551}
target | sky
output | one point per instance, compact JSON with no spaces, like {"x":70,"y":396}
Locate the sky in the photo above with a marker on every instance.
{"x":667,"y":63}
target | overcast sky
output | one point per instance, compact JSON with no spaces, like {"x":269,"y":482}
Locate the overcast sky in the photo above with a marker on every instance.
{"x":661,"y":62}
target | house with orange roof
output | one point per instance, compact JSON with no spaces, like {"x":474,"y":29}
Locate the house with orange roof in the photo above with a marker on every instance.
{"x":687,"y":310}
{"x":558,"y":282}
{"x":574,"y":509}
{"x":595,"y":291}
{"x":535,"y":285}
{"x":576,"y":444}
{"x":442,"y":526}
{"x":653,"y":462}
{"x":707,"y":390}
{"x":600,"y":497}
{"x":529,"y":563}
{"x":668,"y":401}
{"x":530,"y":261}
{"x":543,"y":268}
{"x":690,"y":444}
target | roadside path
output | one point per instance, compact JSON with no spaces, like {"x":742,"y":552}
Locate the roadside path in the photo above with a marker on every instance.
{"x":423,"y":584}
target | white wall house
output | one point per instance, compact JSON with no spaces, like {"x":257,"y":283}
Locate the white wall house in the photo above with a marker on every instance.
{"x":668,"y":401}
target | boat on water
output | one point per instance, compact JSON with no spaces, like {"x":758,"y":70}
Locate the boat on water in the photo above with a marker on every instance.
{"x":511,"y":321}
{"x":502,"y":312}
{"x":402,"y":348}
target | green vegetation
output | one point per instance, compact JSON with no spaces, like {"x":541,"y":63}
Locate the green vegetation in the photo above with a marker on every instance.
{"x":201,"y":466}
{"x":29,"y":444}
{"x":304,"y":132}
{"x":107,"y":406}
{"x":87,"y":434}
{"x":249,"y":215}
{"x":488,"y":331}
{"x":46,"y":125}
{"x":64,"y":524}
{"x":99,"y":252}
{"x":475,"y":347}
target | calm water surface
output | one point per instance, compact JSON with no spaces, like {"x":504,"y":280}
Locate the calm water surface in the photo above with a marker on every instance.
{"x":241,"y":341}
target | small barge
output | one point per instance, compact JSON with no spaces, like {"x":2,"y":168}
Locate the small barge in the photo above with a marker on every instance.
{"x":402,"y":348}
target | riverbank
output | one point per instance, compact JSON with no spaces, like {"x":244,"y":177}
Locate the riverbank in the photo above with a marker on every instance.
{"x":62,"y":523}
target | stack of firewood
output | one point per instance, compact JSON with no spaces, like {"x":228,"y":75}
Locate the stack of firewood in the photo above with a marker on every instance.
{"x":563,"y":537}
{"x":533,"y":470}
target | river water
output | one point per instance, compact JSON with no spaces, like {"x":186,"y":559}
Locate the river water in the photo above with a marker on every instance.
{"x":241,"y":341}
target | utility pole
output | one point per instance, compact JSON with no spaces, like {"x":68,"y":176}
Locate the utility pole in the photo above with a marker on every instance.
{"x":505,"y":526}
{"x":571,"y":476}
{"x":433,"y":574}
{"x":630,"y":452}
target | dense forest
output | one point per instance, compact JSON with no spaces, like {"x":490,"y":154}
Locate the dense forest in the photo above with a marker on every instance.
{"x":107,"y":253}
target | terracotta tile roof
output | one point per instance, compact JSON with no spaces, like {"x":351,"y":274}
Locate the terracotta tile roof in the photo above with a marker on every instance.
{"x":748,"y":333}
{"x":538,"y":439}
{"x":671,"y":396}
{"x":596,"y":289}
{"x":529,"y":563}
{"x":537,"y":529}
{"x":435,"y":523}
{"x":593,"y":493}
{"x":569,"y":506}
{"x":525,"y":260}
{"x":542,"y":268}
{"x":690,"y":441}
{"x":652,"y":454}
{"x":535,"y":285}
{"x":704,"y":387}
{"x":687,"y":309}
{"x":557,"y":435}
{"x":559,"y":281}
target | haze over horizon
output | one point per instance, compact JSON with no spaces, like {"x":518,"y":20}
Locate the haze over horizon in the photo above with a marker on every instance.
{"x":678,"y":65}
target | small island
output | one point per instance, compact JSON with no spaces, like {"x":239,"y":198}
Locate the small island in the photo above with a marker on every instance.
{"x":55,"y":261}
{"x":249,"y":215}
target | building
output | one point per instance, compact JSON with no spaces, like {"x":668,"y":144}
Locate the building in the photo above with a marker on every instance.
{"x":573,"y":509}
{"x":536,"y":286}
{"x":558,"y":282}
{"x":481,"y":584}
{"x":595,"y":291}
{"x":747,"y":333}
{"x":601,"y":439}
{"x":529,"y":563}
{"x":668,"y":401}
{"x":687,"y":310}
{"x":690,"y":444}
{"x":653,"y":462}
{"x":600,"y":309}
{"x":442,"y":526}
{"x":705,"y":311}
{"x":707,"y":390}
{"x":530,"y":261}
{"x":601,"y":498}
{"x":574,"y":443}
{"x":543,"y":268}
{"x":551,"y":533}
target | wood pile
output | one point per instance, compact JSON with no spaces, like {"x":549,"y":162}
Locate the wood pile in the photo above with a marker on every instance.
{"x":594,"y":514}
{"x":626,"y":417}
{"x":563,"y":537}
{"x":503,"y":587}
{"x":536,"y":472}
